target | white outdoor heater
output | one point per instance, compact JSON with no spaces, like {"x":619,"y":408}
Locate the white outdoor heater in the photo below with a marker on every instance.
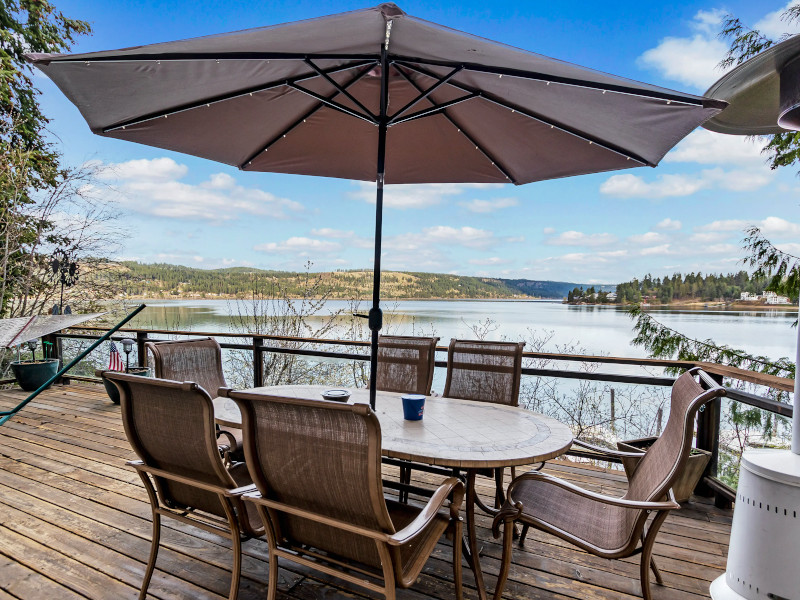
{"x":764,"y":554}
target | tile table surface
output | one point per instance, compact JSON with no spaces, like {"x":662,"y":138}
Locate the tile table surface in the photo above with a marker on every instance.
{"x":452,"y":432}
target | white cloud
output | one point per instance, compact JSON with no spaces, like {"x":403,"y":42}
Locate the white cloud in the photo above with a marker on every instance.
{"x":469,"y":237}
{"x":708,"y":237}
{"x":665,"y":186}
{"x":693,"y":60}
{"x":157,"y":169}
{"x":771,"y":226}
{"x":722,"y":249}
{"x":708,"y":148}
{"x":690,"y":60}
{"x":491,"y":261}
{"x":153,"y":187}
{"x":790,"y":247}
{"x":487,"y":206}
{"x":335,"y":234}
{"x":773,"y":27}
{"x":669,"y":225}
{"x":416,"y":195}
{"x":663,"y":249}
{"x":651,"y":237}
{"x":577,"y":238}
{"x":680,"y":185}
{"x":589,"y":258}
{"x":300,"y":246}
{"x":548,"y":230}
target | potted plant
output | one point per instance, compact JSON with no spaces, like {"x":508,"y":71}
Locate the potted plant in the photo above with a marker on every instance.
{"x":32,"y":374}
{"x":115,"y":366}
{"x":689,"y":477}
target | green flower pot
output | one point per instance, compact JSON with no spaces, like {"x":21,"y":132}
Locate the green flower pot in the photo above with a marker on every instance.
{"x":32,"y":374}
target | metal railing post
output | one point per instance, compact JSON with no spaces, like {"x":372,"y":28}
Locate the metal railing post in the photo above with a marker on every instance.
{"x":258,"y":362}
{"x":708,"y":422}
{"x":141,"y":338}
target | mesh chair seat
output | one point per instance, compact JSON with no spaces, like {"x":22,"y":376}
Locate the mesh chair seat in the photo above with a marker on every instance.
{"x":603,"y":525}
{"x":170,"y":426}
{"x":406,"y":364}
{"x":200,"y":361}
{"x":316,"y":465}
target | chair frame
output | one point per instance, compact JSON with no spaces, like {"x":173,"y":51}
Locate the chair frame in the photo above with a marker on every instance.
{"x":643,"y":536}
{"x":393,"y":573}
{"x":235,"y":526}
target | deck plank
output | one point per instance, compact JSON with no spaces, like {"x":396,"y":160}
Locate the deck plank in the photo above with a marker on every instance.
{"x":76,"y":524}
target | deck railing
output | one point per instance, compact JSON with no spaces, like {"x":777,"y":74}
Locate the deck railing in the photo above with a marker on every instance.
{"x":708,"y":421}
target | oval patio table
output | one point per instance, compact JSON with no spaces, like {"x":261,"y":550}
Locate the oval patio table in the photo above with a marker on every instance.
{"x":461,"y":434}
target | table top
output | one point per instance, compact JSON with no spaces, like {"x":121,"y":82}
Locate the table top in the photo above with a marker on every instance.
{"x":452,"y":432}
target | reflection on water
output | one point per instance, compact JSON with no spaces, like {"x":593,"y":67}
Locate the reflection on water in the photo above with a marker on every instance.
{"x":596,"y":329}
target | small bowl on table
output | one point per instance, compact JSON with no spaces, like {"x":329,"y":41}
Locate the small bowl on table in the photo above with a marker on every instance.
{"x":336,"y":395}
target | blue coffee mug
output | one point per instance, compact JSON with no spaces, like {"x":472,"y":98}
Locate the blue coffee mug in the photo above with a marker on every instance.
{"x":413,"y":407}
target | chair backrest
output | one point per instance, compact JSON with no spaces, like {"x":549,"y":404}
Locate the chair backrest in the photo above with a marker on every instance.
{"x":664,"y":460}
{"x":170,"y":426}
{"x":320,"y":456}
{"x":405,"y":364}
{"x":197,"y":360}
{"x":485,"y":371}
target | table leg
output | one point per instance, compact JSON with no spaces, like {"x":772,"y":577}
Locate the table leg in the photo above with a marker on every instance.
{"x":471,"y":549}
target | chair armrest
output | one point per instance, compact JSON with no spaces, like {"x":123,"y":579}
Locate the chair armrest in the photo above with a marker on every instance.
{"x":436,"y":502}
{"x":245,"y":489}
{"x":621,"y":502}
{"x":607,"y":451}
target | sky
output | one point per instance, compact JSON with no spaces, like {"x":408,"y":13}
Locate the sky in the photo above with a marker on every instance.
{"x":686,"y":215}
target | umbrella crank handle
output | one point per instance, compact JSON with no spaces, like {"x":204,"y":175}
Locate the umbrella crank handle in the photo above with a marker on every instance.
{"x":375,"y":318}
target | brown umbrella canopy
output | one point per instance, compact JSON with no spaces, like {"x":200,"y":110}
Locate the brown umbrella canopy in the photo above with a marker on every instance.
{"x":305,"y":98}
{"x":375,"y":95}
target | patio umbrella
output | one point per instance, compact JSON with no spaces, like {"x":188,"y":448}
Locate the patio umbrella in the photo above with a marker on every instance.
{"x":375,"y":95}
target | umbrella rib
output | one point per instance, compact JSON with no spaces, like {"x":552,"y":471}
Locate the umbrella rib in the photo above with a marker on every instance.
{"x":333,"y":104}
{"x":226,"y":97}
{"x":186,"y":56}
{"x":435,"y":109}
{"x":495,"y":163}
{"x":342,"y":90}
{"x":426,"y":93}
{"x":300,"y":120}
{"x":542,"y":119}
{"x":545,"y":77}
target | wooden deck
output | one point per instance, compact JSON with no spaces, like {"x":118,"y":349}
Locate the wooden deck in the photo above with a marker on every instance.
{"x":75,"y":523}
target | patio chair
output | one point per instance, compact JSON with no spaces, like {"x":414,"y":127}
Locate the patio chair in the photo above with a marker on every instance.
{"x":317,"y":467}
{"x":198,"y":360}
{"x":607,"y":526}
{"x":405,"y":364}
{"x":170,"y":426}
{"x":485,"y":371}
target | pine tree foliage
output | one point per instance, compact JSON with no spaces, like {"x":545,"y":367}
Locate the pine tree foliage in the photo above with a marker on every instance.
{"x":661,"y":341}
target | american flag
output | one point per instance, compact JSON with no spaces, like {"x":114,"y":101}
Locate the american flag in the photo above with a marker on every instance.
{"x":114,"y":359}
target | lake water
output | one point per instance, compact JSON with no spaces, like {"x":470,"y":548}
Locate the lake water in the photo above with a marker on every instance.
{"x":588,"y":329}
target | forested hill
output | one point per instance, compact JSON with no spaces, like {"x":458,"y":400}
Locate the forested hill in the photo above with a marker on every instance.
{"x":165,"y":280}
{"x":691,"y":287}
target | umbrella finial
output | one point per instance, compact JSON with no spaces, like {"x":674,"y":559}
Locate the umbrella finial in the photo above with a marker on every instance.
{"x":390,"y":10}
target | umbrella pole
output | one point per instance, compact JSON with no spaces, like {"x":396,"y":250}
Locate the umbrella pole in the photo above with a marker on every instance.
{"x":375,"y":313}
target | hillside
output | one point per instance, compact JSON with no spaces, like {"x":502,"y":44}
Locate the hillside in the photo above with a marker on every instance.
{"x":176,"y":281}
